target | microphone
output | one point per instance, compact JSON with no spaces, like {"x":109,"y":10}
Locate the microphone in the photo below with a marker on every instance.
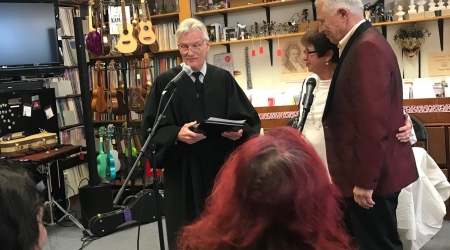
{"x":309,"y":96}
{"x":307,"y":101}
{"x":185,"y":71}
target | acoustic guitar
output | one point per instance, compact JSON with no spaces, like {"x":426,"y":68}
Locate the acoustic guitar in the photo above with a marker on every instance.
{"x":93,"y":38}
{"x":112,"y":103}
{"x":98,"y":103}
{"x":111,"y":168}
{"x":146,"y":34}
{"x":104,"y":31}
{"x":140,"y":47}
{"x":102,"y":157}
{"x":126,"y":43}
{"x":114,"y":152}
{"x":122,"y":109}
{"x":136,"y":102}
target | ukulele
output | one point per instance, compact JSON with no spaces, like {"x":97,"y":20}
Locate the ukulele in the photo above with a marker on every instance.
{"x":93,"y":38}
{"x":104,"y":101}
{"x":126,"y":43}
{"x":140,"y":47}
{"x":98,"y":103}
{"x":114,"y":152}
{"x":111,"y":168}
{"x":101,"y":158}
{"x":122,"y":110}
{"x":146,"y":34}
{"x":111,"y":94}
{"x":154,"y":47}
{"x":133,"y":154}
{"x":104,"y":32}
{"x":136,"y":102}
{"x":148,"y":73}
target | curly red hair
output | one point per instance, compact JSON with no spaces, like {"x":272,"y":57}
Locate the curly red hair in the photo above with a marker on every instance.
{"x":272,"y":193}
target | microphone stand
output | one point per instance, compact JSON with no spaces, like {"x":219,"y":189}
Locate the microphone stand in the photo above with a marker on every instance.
{"x":155,"y":178}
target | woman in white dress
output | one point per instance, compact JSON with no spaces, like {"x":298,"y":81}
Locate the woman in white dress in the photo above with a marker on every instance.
{"x":321,"y":57}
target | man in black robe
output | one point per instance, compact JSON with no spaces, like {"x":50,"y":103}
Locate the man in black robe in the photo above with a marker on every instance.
{"x":192,"y":160}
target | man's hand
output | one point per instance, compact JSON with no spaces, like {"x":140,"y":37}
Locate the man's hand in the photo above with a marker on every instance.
{"x":405,"y":131}
{"x":187,"y":136}
{"x":363,"y":197}
{"x":233,"y":135}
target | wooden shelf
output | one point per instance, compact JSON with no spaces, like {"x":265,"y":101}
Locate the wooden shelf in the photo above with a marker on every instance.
{"x":68,"y":96}
{"x":412,"y":20}
{"x":168,"y":50}
{"x":120,"y":183}
{"x":71,"y":126}
{"x":173,"y":14}
{"x":110,"y":56}
{"x":249,"y":7}
{"x":67,"y":37}
{"x":115,"y":122}
{"x":258,"y":38}
{"x":71,"y":67}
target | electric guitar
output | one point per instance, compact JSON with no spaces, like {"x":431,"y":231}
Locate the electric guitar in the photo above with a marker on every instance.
{"x":127,"y":43}
{"x":146,"y":35}
{"x":104,"y":32}
{"x":111,"y":168}
{"x":114,"y":152}
{"x":93,"y":38}
{"x":102,"y":163}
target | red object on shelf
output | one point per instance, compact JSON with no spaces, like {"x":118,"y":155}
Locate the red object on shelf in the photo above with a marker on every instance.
{"x":261,"y":50}
{"x":278,"y":52}
{"x":253,"y":52}
{"x":149,"y":170}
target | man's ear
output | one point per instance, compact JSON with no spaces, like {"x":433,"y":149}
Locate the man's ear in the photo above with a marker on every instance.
{"x":343,"y":13}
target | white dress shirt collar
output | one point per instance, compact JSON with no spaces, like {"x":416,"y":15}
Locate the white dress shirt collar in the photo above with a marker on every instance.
{"x":344,"y":41}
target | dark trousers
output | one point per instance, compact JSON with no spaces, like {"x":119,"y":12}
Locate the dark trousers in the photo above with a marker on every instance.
{"x":374,"y":228}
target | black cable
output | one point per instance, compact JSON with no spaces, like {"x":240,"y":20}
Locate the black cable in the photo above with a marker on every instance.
{"x":140,"y":211}
{"x":87,"y":240}
{"x":82,"y":181}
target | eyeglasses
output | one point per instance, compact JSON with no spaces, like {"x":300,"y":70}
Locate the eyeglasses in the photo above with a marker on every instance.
{"x":194,"y":48}
{"x":307,"y":53}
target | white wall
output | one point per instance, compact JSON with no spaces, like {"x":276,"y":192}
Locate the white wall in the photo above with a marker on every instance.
{"x":266,"y":76}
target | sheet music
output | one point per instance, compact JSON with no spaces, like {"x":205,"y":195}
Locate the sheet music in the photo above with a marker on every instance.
{"x":115,"y":18}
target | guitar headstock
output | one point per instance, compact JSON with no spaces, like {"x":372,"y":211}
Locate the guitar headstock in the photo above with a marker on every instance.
{"x":110,"y":130}
{"x":91,"y":2}
{"x":111,"y":65}
{"x":101,"y":131}
{"x":98,"y":65}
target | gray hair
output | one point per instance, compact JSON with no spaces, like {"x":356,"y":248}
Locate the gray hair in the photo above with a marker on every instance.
{"x":354,"y":6}
{"x":189,"y":25}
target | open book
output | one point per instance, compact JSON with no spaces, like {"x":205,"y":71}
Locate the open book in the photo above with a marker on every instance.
{"x":215,"y":126}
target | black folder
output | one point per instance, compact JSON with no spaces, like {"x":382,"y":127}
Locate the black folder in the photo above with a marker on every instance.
{"x":216,"y":126}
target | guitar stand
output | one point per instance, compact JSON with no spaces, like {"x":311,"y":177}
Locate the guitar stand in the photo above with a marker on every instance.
{"x":51,"y":202}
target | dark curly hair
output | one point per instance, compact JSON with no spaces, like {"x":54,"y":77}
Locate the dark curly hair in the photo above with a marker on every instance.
{"x":321,"y":44}
{"x":20,"y":203}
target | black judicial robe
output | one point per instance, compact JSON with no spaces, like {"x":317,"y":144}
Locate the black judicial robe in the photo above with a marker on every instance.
{"x":189,"y":170}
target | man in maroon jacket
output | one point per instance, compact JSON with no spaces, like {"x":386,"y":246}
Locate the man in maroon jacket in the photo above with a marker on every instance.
{"x":364,"y":109}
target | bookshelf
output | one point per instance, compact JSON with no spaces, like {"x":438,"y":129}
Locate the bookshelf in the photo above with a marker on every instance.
{"x":259,"y":38}
{"x":71,"y":126}
{"x":165,"y":16}
{"x":427,"y":19}
{"x":68,"y":96}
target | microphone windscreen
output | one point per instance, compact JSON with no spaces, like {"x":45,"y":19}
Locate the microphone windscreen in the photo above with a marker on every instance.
{"x":188,"y":69}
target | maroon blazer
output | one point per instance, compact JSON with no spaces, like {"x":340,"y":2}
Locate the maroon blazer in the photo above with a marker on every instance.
{"x":362,"y":115}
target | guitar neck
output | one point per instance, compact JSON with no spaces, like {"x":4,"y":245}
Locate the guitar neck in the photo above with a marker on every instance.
{"x":100,"y":145}
{"x":144,"y":11}
{"x":101,"y":14}
{"x":124,"y":17}
{"x":90,"y":17}
{"x":111,"y":79}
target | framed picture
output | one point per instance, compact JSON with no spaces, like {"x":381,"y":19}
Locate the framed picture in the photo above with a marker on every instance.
{"x":292,"y":66}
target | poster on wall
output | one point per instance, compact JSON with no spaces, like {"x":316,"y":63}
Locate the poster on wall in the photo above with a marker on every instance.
{"x":439,"y":64}
{"x":115,"y":18}
{"x":224,"y":61}
{"x":292,"y":66}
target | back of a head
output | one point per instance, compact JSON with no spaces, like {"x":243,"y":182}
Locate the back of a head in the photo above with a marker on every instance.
{"x":20,"y":204}
{"x":272,"y":193}
{"x":354,"y":6}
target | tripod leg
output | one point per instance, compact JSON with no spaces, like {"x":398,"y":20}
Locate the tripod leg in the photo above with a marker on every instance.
{"x":73,"y":219}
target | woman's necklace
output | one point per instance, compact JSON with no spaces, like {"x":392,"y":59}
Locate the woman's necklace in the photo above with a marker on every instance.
{"x":318,"y":124}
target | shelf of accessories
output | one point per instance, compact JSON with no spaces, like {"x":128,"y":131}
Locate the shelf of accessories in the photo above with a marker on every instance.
{"x":259,"y":38}
{"x":132,"y":55}
{"x":426,"y":19}
{"x":249,"y":7}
